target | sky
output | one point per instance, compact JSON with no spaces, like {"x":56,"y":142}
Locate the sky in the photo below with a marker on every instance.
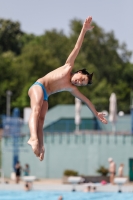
{"x":37,"y":16}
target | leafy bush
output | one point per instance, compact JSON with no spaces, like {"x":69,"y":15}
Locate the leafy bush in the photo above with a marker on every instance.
{"x":70,"y":173}
{"x":103,"y":171}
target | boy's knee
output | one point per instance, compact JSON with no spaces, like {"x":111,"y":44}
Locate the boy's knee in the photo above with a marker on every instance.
{"x":41,"y":119}
{"x":36,"y":109}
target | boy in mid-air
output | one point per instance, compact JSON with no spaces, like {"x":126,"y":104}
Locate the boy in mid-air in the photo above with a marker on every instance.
{"x":61,"y":79}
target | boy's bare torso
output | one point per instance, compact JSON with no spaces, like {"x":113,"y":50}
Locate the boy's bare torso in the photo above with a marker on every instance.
{"x":112,"y":167}
{"x":57,"y":80}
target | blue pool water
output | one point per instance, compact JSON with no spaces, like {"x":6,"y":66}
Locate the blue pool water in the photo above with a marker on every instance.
{"x":45,"y":195}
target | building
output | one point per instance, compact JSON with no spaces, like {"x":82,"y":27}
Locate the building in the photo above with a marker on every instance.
{"x":84,"y":152}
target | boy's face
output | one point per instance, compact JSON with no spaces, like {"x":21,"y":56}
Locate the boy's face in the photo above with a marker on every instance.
{"x":79,"y":79}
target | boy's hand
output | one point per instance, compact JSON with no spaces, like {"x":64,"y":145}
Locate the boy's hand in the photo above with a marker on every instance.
{"x":87,"y":24}
{"x":101,"y":117}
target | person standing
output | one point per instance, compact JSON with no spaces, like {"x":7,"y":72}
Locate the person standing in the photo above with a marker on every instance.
{"x":121,"y":170}
{"x":26,"y":170}
{"x":18,"y":169}
{"x":112,"y":170}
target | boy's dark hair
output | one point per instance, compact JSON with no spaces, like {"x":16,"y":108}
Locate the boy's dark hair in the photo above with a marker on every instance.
{"x":84,"y":71}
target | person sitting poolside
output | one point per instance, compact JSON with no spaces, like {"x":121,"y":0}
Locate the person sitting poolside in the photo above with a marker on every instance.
{"x":27,"y":186}
{"x":87,"y":189}
{"x":90,"y":189}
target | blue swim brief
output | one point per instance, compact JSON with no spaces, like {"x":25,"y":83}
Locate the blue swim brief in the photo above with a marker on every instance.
{"x":44,"y":90}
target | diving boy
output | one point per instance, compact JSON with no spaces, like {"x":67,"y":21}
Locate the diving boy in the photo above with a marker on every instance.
{"x":60,"y":79}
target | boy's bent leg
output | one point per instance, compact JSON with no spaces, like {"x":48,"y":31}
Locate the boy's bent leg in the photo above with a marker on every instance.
{"x":40,"y":129}
{"x":36,"y":97}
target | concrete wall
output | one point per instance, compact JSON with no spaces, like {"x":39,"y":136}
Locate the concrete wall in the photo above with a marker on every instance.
{"x":84,"y":153}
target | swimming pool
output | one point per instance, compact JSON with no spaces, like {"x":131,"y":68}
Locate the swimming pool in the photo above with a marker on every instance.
{"x":45,"y":195}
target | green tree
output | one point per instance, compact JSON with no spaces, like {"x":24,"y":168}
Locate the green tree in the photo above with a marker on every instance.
{"x":6,"y":77}
{"x":10,"y":36}
{"x":25,"y":57}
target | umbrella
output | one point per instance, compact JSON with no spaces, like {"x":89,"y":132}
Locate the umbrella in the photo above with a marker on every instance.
{"x":77,"y":113}
{"x":113,"y":111}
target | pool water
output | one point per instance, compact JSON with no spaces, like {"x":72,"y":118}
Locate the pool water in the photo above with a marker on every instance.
{"x":45,"y":195}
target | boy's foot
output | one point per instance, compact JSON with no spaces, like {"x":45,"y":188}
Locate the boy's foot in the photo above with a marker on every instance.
{"x":35,"y":146}
{"x":42,"y":151}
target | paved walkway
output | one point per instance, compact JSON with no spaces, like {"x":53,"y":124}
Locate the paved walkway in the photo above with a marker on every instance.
{"x":56,"y":185}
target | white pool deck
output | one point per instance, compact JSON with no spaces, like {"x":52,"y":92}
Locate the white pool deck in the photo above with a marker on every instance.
{"x":56,"y":185}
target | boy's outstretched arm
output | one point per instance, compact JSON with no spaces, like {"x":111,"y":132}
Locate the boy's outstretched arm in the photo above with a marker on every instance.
{"x":86,"y":26}
{"x":76,"y":93}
